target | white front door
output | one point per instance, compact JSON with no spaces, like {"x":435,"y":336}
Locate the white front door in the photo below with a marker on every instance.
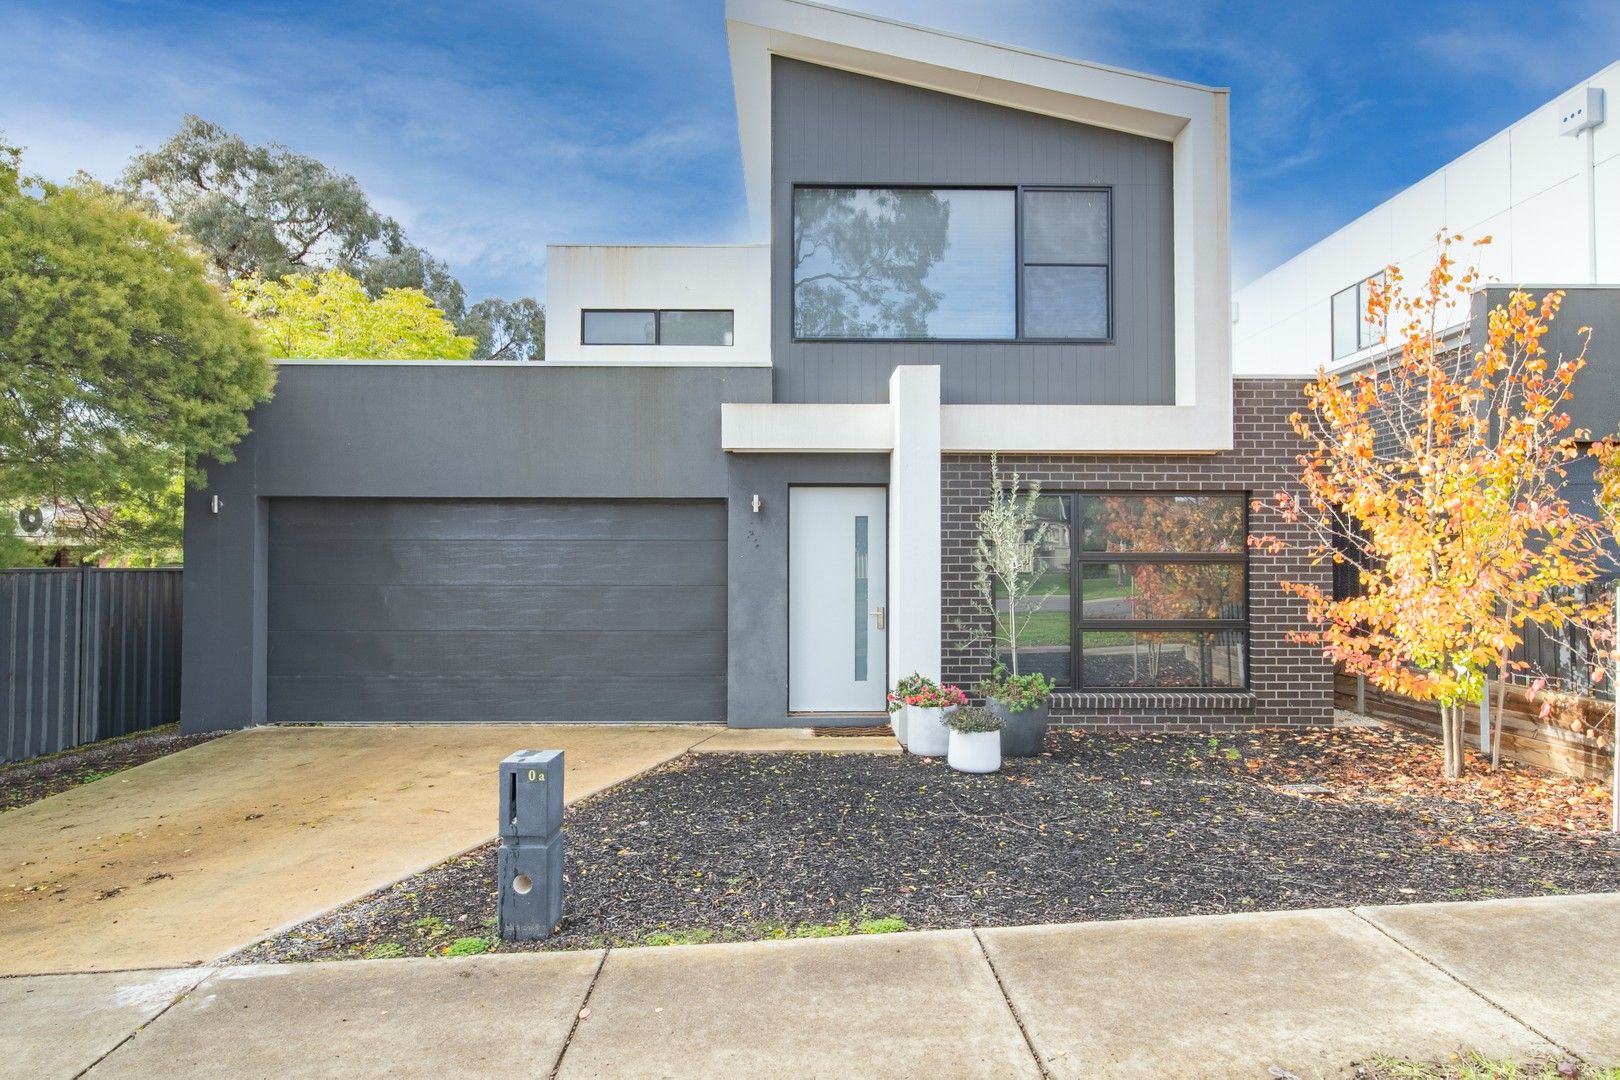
{"x":837,"y":599}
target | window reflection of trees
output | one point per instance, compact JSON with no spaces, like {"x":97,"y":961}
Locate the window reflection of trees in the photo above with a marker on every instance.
{"x":1164,"y":591}
{"x":861,"y":259}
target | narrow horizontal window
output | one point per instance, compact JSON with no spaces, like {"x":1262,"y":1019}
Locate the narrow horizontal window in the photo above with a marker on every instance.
{"x":657,"y":327}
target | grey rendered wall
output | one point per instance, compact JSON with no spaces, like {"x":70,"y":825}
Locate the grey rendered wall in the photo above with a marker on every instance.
{"x":422,"y":431}
{"x":835,"y":127}
{"x":757,"y":589}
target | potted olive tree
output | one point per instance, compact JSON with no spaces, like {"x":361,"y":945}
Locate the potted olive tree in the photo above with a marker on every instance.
{"x":926,"y":710}
{"x":975,"y":740}
{"x":1011,"y":533}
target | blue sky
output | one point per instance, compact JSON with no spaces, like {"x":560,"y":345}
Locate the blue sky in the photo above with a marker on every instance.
{"x":490,"y":129}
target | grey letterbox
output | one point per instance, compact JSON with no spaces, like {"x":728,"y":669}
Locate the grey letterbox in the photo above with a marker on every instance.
{"x":531,"y":898}
{"x":529,"y":865}
{"x":531,"y":794}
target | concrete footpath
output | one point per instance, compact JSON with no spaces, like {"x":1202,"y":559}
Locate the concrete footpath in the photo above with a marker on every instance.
{"x":1309,"y":992}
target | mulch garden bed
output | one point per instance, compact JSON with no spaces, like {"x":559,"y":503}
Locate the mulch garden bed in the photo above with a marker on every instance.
{"x":727,"y":847}
{"x":34,"y":779}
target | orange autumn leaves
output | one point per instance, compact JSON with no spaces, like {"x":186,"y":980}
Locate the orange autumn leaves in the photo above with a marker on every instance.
{"x":1439,"y":475}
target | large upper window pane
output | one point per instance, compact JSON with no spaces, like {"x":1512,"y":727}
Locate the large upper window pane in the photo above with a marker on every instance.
{"x":620,"y":328}
{"x":880,"y":263}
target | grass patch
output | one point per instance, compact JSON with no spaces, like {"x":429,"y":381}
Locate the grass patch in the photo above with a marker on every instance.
{"x":1470,"y":1065}
{"x":429,"y":926}
{"x":469,"y":946}
{"x":384,"y":950}
{"x":678,"y":937}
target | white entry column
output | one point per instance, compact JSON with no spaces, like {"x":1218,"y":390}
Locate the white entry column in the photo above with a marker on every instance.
{"x":914,"y":523}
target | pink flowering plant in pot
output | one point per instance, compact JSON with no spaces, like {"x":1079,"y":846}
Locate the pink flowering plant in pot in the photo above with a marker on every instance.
{"x":926,"y":709}
{"x":908,"y":687}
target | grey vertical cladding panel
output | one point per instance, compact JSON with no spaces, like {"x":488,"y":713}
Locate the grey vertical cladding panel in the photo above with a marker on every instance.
{"x":835,"y":127}
{"x":496,"y":610}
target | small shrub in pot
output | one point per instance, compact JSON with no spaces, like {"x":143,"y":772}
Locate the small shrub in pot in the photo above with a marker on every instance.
{"x":1023,"y":703}
{"x":975,"y":740}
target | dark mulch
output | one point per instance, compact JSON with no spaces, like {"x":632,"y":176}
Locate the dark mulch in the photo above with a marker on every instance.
{"x":32,"y":780}
{"x":1102,"y":827}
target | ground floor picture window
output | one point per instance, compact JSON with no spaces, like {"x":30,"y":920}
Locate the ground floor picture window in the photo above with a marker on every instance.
{"x":1145,"y":591}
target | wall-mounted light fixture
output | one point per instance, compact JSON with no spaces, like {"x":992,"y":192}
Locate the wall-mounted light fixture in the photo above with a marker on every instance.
{"x":756,"y":504}
{"x":214,"y":503}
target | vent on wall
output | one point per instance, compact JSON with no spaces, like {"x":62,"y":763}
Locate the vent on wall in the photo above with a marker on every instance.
{"x":1584,"y":110}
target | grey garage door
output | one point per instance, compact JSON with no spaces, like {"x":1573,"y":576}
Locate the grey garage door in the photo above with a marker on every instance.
{"x":496,"y":610}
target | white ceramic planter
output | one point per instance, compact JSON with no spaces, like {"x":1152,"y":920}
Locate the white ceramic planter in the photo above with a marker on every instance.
{"x":975,"y":751}
{"x":926,"y":733}
{"x":897,"y":723}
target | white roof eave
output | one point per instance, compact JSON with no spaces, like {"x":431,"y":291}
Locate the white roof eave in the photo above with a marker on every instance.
{"x":1016,"y":78}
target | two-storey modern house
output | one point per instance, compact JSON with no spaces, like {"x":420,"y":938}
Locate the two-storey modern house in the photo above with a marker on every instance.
{"x":743,"y":485}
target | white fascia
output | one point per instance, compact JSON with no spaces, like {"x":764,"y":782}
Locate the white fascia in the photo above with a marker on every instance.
{"x":1193,"y":119}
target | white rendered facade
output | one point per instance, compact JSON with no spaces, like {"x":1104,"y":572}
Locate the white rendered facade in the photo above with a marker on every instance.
{"x":1549,"y":201}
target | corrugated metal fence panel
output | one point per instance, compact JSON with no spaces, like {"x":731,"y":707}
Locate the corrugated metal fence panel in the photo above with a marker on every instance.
{"x":86,"y":654}
{"x":131,"y":651}
{"x":39,"y":661}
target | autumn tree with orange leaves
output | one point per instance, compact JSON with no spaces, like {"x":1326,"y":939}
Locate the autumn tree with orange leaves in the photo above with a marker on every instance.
{"x":1438,"y":477}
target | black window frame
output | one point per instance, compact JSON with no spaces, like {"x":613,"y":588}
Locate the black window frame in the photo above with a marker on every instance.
{"x":1364,"y":328}
{"x":658,"y":327}
{"x":1018,"y":337}
{"x":1079,"y":559}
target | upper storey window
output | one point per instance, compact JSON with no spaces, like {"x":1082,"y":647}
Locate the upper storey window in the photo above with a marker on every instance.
{"x":944,"y":264}
{"x":1352,"y":330}
{"x":616,"y":327}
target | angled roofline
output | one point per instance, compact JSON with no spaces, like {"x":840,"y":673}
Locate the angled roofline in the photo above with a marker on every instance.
{"x":1010,"y":76}
{"x":1192,"y":119}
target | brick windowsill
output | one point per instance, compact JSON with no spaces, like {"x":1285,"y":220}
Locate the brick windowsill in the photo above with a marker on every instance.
{"x":1171,"y":700}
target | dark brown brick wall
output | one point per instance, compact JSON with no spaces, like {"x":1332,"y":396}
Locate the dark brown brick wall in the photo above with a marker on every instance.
{"x":1289,"y":684}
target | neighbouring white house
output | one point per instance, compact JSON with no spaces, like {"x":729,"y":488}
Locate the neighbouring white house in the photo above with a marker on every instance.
{"x":1546,"y":191}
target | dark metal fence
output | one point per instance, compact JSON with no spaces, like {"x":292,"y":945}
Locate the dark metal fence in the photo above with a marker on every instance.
{"x":86,"y":654}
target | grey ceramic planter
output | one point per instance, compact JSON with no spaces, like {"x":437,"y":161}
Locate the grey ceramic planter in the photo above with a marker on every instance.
{"x":1024,"y":733}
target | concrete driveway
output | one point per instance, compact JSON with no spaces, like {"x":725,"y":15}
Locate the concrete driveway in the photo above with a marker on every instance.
{"x":192,"y":856}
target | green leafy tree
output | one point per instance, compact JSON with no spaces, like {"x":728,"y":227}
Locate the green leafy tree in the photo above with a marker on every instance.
{"x":330,"y":316}
{"x":265,"y":211}
{"x":147,"y":528}
{"x":507,"y":329}
{"x":120,"y":363}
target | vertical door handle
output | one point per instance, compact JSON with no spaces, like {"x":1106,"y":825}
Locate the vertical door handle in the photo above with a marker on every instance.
{"x":880,"y":613}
